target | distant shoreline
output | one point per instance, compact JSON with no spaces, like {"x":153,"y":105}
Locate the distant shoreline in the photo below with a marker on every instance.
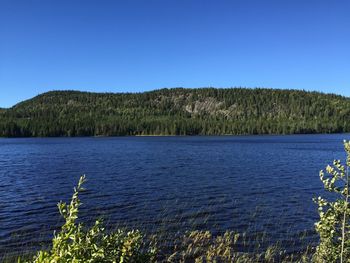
{"x":216,"y":135}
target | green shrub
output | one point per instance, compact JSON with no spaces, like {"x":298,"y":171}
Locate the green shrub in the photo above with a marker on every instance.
{"x":333,"y":226}
{"x":74,"y":243}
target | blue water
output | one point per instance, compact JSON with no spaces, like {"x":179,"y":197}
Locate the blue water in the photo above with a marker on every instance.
{"x":252,"y":184}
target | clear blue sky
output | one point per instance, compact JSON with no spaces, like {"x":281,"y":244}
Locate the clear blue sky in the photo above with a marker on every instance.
{"x":117,"y":46}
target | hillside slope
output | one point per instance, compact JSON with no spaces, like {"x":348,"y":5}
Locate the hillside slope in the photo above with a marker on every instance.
{"x":205,"y":111}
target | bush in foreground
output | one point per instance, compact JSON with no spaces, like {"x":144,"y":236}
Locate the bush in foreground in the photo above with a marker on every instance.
{"x":334,"y":223}
{"x":74,"y":243}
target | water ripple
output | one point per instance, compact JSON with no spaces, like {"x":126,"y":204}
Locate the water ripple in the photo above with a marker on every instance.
{"x":252,"y":184}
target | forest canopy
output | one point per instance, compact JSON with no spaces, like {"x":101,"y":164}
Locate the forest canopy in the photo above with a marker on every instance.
{"x":177,"y":111}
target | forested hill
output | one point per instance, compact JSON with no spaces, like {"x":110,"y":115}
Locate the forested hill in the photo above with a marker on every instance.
{"x":178,"y":111}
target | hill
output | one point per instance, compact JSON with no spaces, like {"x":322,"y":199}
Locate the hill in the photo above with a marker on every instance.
{"x":178,"y":111}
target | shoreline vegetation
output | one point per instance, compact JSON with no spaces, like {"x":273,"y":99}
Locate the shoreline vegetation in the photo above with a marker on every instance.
{"x":160,"y":135}
{"x":177,"y":112}
{"x":77,"y":243}
{"x":125,"y":136}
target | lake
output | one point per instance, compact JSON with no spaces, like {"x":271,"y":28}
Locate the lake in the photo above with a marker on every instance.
{"x":260,"y":185}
